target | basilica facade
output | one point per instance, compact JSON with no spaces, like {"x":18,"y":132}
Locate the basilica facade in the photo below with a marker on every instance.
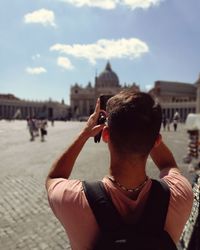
{"x":83,"y":99}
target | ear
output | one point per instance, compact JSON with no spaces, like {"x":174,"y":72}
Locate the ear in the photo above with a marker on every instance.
{"x":105,"y":134}
{"x":158,"y":141}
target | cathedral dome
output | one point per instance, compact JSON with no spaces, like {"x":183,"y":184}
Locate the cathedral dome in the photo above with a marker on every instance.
{"x":107,"y":78}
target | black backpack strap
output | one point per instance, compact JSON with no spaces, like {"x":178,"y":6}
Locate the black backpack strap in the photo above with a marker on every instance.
{"x":156,"y":212}
{"x":107,"y":216}
{"x":156,"y":207}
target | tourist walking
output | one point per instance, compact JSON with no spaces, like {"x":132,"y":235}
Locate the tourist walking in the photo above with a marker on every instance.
{"x":43,"y":129}
{"x":175,"y":120}
{"x":31,"y":127}
{"x":164,"y":122}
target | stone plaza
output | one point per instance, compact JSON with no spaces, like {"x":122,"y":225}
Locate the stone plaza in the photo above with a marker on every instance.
{"x":26,"y":221}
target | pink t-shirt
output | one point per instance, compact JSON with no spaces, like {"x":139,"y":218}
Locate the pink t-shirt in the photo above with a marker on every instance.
{"x":69,"y":204}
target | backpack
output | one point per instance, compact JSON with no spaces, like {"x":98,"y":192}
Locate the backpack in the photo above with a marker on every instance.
{"x":146,"y":234}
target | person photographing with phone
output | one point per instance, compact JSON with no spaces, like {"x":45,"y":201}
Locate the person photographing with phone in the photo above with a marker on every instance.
{"x":127,"y":209}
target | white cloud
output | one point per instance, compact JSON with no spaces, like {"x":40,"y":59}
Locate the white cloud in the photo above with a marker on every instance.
{"x":111,"y":4}
{"x":144,"y":4}
{"x":35,"y":71}
{"x":37,"y":56}
{"x":65,"y":63}
{"x":42,"y":16}
{"x":104,"y":49}
{"x":104,"y":4}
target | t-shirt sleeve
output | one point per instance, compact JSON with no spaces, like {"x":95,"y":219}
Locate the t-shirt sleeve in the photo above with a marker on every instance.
{"x":177,"y":182}
{"x":60,"y":192}
{"x":181,"y":201}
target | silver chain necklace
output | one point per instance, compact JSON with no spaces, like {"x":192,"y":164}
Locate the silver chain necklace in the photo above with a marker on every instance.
{"x":128,"y":189}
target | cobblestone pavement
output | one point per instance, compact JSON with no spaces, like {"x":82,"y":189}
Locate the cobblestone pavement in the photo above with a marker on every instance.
{"x":26,"y":222}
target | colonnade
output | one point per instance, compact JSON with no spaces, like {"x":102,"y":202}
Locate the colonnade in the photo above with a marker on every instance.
{"x":183,"y":112}
{"x":19,"y":111}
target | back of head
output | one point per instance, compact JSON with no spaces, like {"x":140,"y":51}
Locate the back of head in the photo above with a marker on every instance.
{"x":134,"y":121}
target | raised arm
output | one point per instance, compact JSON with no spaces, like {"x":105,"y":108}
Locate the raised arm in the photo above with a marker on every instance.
{"x":63,"y":166}
{"x":163,"y":157}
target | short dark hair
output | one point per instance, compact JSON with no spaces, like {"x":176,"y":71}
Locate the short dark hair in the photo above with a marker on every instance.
{"x":134,"y":121}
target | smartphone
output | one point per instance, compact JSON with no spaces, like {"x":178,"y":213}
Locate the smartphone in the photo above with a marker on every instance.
{"x":102,"y":117}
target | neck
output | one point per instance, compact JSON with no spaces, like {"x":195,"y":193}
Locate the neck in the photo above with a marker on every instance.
{"x":128,"y":171}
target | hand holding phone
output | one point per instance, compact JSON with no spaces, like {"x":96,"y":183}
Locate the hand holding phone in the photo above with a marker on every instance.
{"x":102,"y":115}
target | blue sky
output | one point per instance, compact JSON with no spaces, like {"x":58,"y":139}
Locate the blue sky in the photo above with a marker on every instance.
{"x":48,"y":45}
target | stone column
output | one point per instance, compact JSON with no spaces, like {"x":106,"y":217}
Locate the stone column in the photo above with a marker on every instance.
{"x":185,"y":112}
{"x":5,"y":111}
{"x":198,"y":96}
{"x":170,"y":113}
{"x":88,"y":107}
{"x":81,"y":107}
{"x":9,"y":115}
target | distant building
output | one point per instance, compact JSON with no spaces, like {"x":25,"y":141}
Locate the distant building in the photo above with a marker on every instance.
{"x":12,"y":107}
{"x":83,"y":99}
{"x":180,"y":97}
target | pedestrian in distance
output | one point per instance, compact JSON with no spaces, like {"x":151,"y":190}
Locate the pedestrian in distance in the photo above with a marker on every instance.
{"x":52,"y":122}
{"x":127,"y":209}
{"x":176,"y":120}
{"x":43,"y":129}
{"x":164,"y":122}
{"x":168,"y":124}
{"x":36,"y":127}
{"x":175,"y":124}
{"x":31,"y":127}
